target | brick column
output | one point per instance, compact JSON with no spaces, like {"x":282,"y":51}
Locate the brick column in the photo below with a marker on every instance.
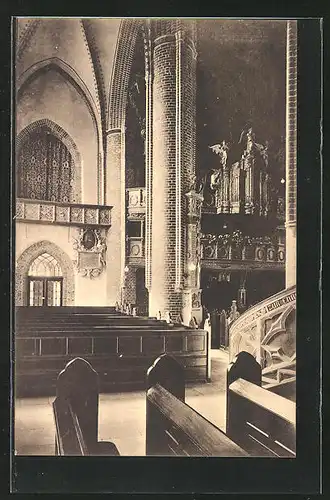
{"x":291,"y":152}
{"x":115,"y":195}
{"x":173,"y":162}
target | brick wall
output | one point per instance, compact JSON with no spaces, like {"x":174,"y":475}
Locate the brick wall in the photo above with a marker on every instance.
{"x":291,"y":153}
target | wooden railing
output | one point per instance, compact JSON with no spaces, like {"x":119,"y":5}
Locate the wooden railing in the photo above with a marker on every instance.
{"x":49,"y":212}
{"x":263,"y":253}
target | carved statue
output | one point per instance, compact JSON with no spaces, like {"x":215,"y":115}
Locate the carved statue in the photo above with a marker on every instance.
{"x":215,"y":179}
{"x":192,"y":181}
{"x":250,"y":140}
{"x":222,"y":151}
{"x":263,"y":150}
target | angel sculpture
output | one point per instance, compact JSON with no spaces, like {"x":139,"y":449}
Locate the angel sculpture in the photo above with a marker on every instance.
{"x":222,"y":151}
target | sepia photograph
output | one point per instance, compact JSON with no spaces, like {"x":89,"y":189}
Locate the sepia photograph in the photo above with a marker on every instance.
{"x":155,"y":169}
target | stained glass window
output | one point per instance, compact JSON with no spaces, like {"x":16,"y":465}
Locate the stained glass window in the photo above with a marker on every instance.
{"x":44,"y":168}
{"x":45,"y":265}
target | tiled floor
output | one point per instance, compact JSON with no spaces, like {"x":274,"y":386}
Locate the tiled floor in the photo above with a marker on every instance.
{"x":121,"y":415}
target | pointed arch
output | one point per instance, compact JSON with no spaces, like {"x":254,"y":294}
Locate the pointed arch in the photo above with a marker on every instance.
{"x":118,"y":91}
{"x":65,"y":138}
{"x":69,"y":74}
{"x":72,"y":77}
{"x":24,"y":262}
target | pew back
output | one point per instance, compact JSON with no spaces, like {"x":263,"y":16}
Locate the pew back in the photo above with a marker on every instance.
{"x":69,"y":438}
{"x":260,"y":421}
{"x":78,"y":384}
{"x":174,"y":428}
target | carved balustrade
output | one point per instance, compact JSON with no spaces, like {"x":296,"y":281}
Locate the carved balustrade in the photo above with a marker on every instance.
{"x":72,"y":214}
{"x":259,"y":252}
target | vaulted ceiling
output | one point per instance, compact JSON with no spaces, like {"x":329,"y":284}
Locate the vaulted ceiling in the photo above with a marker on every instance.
{"x":240,"y":81}
{"x":240,"y":72}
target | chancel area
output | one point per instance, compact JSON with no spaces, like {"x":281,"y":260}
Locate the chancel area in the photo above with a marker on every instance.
{"x":155,"y":236}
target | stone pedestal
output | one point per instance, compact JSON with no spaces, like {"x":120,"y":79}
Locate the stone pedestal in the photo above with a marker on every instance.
{"x":186,"y":306}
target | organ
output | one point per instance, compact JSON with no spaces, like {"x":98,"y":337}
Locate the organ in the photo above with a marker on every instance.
{"x":245,"y":185}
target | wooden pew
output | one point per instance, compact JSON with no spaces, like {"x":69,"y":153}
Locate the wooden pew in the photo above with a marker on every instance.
{"x":69,"y":439}
{"x":258,"y":420}
{"x":76,"y":412}
{"x":172,"y":426}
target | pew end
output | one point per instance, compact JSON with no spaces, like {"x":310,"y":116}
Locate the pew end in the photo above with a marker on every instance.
{"x":75,"y":411}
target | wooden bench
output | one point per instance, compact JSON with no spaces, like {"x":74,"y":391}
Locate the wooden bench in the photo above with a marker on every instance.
{"x":172,"y":426}
{"x":69,"y":439}
{"x":259,"y":420}
{"x":119,"y":347}
{"x":75,"y":412}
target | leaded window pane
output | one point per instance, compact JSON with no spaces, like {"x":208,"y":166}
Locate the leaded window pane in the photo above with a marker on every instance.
{"x":45,"y":169}
{"x":45,"y":265}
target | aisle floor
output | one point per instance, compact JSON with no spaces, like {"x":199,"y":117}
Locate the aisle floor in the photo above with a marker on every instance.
{"x":121,"y":415}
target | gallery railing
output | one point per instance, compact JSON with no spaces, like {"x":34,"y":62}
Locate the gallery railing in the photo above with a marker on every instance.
{"x":262,"y":252}
{"x":51,"y":212}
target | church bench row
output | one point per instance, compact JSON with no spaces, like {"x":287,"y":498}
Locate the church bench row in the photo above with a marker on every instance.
{"x":259,"y":422}
{"x":172,"y":426}
{"x":76,"y":410}
{"x":49,"y":328}
{"x":121,"y":361}
{"x":27,"y":310}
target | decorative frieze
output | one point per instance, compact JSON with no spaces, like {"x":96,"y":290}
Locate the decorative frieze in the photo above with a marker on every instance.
{"x":63,"y":214}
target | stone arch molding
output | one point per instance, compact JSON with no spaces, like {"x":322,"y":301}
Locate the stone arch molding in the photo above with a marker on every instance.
{"x":25,"y":260}
{"x":71,"y":76}
{"x":66,"y":139}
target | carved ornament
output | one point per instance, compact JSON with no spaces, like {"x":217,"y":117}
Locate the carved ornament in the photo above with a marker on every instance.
{"x":90,"y":247}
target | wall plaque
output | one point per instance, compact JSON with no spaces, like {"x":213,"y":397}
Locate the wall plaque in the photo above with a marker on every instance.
{"x":91,"y":248}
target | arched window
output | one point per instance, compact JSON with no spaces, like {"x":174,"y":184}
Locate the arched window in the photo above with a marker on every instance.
{"x":45,"y":265}
{"x":45,"y":281}
{"x":44,"y":168}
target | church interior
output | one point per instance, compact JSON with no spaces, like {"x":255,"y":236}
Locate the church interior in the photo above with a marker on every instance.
{"x":155,"y":236}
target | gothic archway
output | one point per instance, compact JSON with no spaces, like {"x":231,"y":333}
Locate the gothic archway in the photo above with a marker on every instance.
{"x":23,"y":265}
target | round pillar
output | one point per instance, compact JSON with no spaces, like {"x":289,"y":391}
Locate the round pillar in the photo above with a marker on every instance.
{"x":173,"y":163}
{"x":291,"y":153}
